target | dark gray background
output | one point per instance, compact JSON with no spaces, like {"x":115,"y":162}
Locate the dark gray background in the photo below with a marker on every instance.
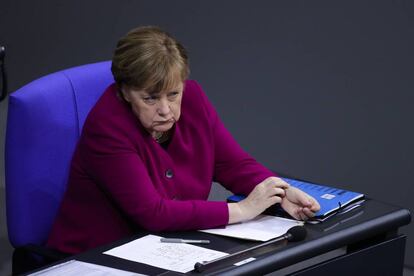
{"x":321,"y":90}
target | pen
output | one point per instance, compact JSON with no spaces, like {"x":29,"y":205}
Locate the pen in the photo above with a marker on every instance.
{"x":183,"y":240}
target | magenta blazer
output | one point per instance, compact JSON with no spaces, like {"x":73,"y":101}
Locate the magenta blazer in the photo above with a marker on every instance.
{"x":122,"y":180}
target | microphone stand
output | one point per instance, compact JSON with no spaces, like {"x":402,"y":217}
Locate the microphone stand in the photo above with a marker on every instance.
{"x":3,"y":73}
{"x":289,"y":236}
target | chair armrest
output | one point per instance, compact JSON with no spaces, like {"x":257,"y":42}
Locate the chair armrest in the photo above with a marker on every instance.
{"x":31,"y":256}
{"x":47,"y":253}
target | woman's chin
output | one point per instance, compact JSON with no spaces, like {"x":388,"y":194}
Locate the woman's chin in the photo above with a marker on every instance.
{"x":164,"y":127}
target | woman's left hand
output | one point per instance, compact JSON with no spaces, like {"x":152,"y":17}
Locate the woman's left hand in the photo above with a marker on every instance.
{"x":299,"y":204}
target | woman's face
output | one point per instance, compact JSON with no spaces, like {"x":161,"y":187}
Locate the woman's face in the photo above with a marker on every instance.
{"x":157,"y":111}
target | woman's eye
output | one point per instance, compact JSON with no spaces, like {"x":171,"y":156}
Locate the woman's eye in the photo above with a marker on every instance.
{"x":150,"y":99}
{"x":172,"y":95}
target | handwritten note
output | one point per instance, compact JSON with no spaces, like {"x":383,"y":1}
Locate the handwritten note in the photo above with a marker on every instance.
{"x":178,"y":257}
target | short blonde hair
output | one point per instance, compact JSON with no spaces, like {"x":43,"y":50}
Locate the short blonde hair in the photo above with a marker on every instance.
{"x":150,"y":59}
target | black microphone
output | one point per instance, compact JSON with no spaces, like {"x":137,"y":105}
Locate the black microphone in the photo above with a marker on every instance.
{"x":296,"y":233}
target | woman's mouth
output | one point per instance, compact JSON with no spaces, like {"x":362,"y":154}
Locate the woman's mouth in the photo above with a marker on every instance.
{"x":164,"y":122}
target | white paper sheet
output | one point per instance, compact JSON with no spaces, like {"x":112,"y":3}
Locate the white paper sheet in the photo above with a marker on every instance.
{"x":77,"y":268}
{"x":262,"y":228}
{"x":178,"y":257}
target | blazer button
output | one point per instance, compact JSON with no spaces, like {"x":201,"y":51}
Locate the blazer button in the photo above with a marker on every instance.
{"x":169,"y":173}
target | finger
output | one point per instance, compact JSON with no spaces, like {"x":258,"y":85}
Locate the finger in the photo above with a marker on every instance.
{"x":302,"y":215}
{"x":292,"y":209}
{"x":297,"y":214}
{"x":281,"y":183}
{"x":303,"y":199}
{"x":307,"y":212}
{"x":315,"y":205}
{"x":279,"y":192}
{"x":277,"y":182}
{"x":274,"y":200}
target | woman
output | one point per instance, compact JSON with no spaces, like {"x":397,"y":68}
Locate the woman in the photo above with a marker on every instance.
{"x":149,"y":151}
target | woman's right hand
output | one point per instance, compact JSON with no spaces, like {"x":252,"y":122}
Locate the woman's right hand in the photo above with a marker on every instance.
{"x":265,"y":194}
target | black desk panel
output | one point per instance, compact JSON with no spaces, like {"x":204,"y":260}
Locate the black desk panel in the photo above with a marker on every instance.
{"x":366,"y":235}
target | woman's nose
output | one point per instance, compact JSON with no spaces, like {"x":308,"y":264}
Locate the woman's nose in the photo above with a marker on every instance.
{"x":163,"y":107}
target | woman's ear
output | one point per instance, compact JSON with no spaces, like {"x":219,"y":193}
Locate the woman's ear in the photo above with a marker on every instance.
{"x":125,"y":93}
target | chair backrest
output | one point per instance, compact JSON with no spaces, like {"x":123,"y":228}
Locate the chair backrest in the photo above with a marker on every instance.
{"x":44,"y":122}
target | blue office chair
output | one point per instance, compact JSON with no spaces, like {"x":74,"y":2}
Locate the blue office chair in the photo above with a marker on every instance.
{"x":44,"y":122}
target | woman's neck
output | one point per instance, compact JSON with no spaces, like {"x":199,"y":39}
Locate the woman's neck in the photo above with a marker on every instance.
{"x":161,"y":137}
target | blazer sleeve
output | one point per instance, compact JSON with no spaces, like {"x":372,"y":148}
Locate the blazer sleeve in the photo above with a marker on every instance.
{"x":112,"y":161}
{"x":234,"y":168}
